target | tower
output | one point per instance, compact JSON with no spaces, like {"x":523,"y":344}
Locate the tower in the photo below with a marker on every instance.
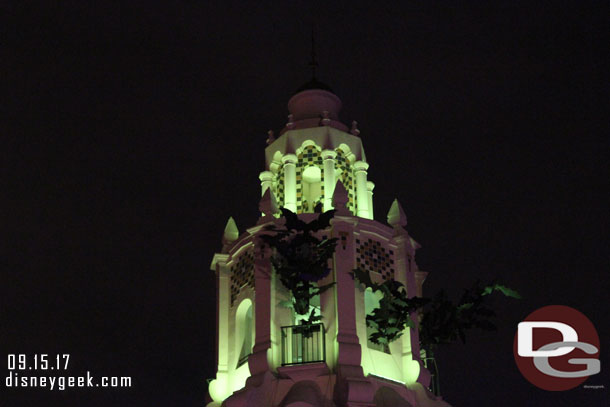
{"x":264,"y":355}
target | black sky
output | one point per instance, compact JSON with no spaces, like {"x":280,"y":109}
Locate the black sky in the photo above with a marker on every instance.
{"x":131,"y":132}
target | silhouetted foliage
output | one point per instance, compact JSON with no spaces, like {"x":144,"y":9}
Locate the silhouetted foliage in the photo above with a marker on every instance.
{"x":445,"y":322}
{"x":442,"y":321}
{"x":393,"y":314}
{"x":300,"y":259}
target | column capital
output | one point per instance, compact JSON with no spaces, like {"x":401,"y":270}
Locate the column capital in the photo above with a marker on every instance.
{"x":289,"y":159}
{"x":265,"y":176}
{"x":360,"y":166}
{"x":329,"y":154}
{"x":370,"y":185}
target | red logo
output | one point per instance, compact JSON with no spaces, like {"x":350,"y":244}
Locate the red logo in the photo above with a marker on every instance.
{"x":556,"y":348}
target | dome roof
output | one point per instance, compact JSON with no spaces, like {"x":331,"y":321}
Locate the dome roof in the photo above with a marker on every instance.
{"x":314,"y":104}
{"x":314,"y":84}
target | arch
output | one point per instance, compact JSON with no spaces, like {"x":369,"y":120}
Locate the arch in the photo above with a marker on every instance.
{"x":310,"y":176}
{"x":387,"y":397}
{"x":347,"y":151}
{"x":303,"y":394}
{"x":307,"y":143}
{"x":244,"y":327}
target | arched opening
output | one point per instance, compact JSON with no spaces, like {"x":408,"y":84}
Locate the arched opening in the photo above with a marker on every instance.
{"x":371,"y":301}
{"x":312,"y":188}
{"x":314,"y":307}
{"x":344,"y":173}
{"x":244,"y":323}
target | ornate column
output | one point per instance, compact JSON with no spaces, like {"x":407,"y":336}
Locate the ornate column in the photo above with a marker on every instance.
{"x":219,"y":387}
{"x":369,"y":190}
{"x":224,"y":304}
{"x":412,"y":366}
{"x":266,"y":178}
{"x":353,"y":390}
{"x":362,"y":199}
{"x":329,"y":178}
{"x":290,"y":182}
{"x":258,"y":362}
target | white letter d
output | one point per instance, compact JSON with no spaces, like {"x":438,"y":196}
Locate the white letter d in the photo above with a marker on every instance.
{"x":525,"y":338}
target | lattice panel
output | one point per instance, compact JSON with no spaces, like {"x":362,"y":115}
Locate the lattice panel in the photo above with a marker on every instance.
{"x":372,"y":256}
{"x":242,"y":273}
{"x":279,"y":191}
{"x":310,"y":156}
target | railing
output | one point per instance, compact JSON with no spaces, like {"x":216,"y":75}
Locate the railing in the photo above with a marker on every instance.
{"x":303,"y":344}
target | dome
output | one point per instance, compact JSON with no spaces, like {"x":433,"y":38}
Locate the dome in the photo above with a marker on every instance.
{"x":314,"y":104}
{"x":310,"y":103}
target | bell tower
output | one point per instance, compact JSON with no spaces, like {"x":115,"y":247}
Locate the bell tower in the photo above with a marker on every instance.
{"x":266,"y":354}
{"x":313,"y":152}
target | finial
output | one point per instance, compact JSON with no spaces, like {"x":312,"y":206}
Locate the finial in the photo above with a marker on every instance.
{"x":267,"y":205}
{"x":231,"y":233}
{"x":271,"y":137}
{"x":396,"y":215}
{"x":340,"y":199}
{"x":354,"y":129}
{"x":314,"y":63}
{"x":290,"y":123}
{"x":325,"y":118}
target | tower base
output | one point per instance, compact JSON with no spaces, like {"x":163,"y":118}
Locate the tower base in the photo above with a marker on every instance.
{"x":313,"y":385}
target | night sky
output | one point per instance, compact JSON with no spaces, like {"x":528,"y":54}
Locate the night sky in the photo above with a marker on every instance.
{"x":131,"y":131}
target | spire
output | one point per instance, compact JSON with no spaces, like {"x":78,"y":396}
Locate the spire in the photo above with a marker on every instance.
{"x":314,"y":83}
{"x":314,"y":100}
{"x":314,"y":62}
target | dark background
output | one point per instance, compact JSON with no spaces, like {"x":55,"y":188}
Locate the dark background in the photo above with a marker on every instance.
{"x":132,"y":130}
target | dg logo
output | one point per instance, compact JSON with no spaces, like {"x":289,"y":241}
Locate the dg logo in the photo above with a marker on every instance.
{"x":556,"y":348}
